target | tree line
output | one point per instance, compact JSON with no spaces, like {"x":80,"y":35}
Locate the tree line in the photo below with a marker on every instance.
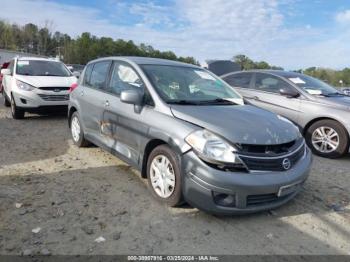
{"x":33,"y":39}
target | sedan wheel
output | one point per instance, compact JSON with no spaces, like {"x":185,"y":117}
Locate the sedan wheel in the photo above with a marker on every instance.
{"x":325,"y":139}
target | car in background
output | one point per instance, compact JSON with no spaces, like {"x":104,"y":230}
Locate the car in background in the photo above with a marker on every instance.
{"x":3,"y":66}
{"x":189,"y":133}
{"x":318,"y":109}
{"x":76,"y":69}
{"x":36,"y":85}
{"x":346,"y":90}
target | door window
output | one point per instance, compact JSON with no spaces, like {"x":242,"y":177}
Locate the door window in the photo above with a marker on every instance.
{"x":124,"y":77}
{"x":239,"y":80}
{"x":87,"y":75}
{"x":99,"y":75}
{"x":269,"y":83}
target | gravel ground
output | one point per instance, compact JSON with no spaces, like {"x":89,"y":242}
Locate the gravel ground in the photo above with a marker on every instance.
{"x":58,"y":199}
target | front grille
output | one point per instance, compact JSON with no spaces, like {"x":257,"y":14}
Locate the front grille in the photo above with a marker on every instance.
{"x":255,"y":163}
{"x":54,"y":97}
{"x":54,"y":88}
{"x":255,"y":200}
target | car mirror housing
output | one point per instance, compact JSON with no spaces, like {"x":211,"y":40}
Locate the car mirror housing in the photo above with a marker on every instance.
{"x":76,"y":74}
{"x":5,"y":71}
{"x":134,"y":97}
{"x":289,"y":92}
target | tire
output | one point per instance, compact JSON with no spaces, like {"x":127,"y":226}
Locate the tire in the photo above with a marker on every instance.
{"x":17,"y":113}
{"x":77,"y":135}
{"x":175,"y":198}
{"x":6,"y":102}
{"x":341,"y":139}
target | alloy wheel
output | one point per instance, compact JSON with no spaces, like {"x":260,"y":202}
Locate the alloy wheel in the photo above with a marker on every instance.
{"x":325,"y":139}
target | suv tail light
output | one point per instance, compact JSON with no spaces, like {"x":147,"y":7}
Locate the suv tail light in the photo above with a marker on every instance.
{"x":72,"y":87}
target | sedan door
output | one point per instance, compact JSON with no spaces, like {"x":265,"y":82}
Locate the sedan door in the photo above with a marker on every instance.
{"x":265,"y":93}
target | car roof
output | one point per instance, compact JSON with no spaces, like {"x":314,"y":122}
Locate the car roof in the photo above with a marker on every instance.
{"x":145,"y":61}
{"x":37,"y":58}
{"x":280,"y":73}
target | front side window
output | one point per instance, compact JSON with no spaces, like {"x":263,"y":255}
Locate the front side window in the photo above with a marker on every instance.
{"x":269,"y":83}
{"x":312,"y":85}
{"x":99,"y":74}
{"x":41,"y":68}
{"x":180,"y":84}
{"x":124,"y":77}
{"x":239,"y":80}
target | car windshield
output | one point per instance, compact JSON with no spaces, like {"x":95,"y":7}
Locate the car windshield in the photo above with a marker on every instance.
{"x":313,"y":86}
{"x":188,"y":85}
{"x":41,"y":68}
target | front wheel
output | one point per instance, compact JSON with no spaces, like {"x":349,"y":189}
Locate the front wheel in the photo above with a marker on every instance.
{"x":6,"y":102}
{"x":77,"y":131}
{"x":164,"y":178}
{"x":328,"y":138}
{"x":17,"y":113}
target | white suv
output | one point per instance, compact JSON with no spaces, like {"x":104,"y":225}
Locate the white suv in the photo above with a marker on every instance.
{"x":36,"y":85}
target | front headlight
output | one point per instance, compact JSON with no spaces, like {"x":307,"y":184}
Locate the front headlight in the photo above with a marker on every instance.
{"x":212,"y":148}
{"x":24,"y":86}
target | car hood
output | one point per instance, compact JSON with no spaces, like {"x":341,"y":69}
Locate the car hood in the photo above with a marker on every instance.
{"x":242,"y":124}
{"x":335,"y":101}
{"x":52,"y":81}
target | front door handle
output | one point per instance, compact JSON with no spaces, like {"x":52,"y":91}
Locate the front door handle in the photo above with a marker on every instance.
{"x":81,"y":93}
{"x":106,"y":103}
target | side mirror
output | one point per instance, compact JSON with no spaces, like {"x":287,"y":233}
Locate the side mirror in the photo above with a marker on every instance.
{"x":289,"y":92}
{"x":6,"y":72}
{"x":76,"y":74}
{"x":132,"y":96}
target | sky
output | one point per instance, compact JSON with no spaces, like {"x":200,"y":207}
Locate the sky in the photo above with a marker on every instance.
{"x":293,"y":34}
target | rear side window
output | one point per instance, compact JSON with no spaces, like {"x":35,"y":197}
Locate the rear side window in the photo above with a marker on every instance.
{"x":99,"y":75}
{"x":269,"y":83}
{"x":87,"y":75}
{"x":239,"y":80}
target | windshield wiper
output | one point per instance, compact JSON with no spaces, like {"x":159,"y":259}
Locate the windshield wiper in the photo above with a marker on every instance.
{"x":182,"y":102}
{"x":334,"y":94}
{"x":218,"y":101}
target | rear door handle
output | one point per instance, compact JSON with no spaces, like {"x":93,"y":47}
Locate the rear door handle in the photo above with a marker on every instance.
{"x":106,"y":103}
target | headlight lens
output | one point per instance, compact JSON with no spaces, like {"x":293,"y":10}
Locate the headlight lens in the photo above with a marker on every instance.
{"x":24,"y":86}
{"x":212,"y":148}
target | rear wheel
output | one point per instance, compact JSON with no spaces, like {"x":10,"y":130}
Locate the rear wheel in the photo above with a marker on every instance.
{"x":328,"y":138}
{"x":164,"y":178}
{"x":77,"y":131}
{"x":17,"y":113}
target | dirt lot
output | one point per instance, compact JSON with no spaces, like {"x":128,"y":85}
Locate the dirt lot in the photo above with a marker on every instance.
{"x":77,"y":195}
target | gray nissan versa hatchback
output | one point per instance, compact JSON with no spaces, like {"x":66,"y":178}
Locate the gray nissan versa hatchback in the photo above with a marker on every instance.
{"x":189,"y":133}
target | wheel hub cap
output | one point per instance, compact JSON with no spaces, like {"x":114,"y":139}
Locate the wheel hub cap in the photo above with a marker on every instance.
{"x":75,"y":127}
{"x":325,"y":139}
{"x":162,"y":176}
